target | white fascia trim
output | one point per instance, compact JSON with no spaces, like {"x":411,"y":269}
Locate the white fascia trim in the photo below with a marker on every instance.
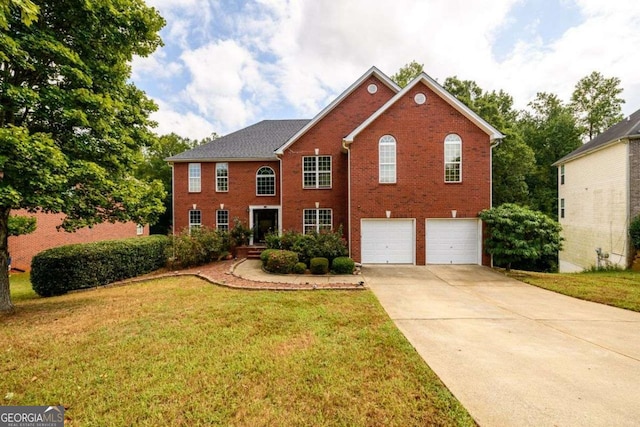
{"x":372,"y":71}
{"x":228,"y":160}
{"x":493,"y":133}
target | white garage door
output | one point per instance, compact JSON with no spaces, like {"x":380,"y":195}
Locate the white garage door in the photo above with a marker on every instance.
{"x":453,"y":241}
{"x":387,"y":241}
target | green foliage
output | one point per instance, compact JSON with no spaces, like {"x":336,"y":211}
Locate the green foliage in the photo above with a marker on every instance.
{"x":299,"y":268}
{"x":407,"y":73}
{"x":517,"y":233}
{"x":327,"y":244}
{"x":72,"y":126}
{"x":343,"y":265}
{"x":272,"y":240}
{"x":198,"y":247}
{"x":319,"y":265}
{"x":264,"y":255}
{"x":551,"y":131}
{"x":281,"y":261}
{"x":20,"y":225}
{"x":240,"y":234}
{"x":596,"y":103}
{"x":59,"y":270}
{"x":634,"y":232}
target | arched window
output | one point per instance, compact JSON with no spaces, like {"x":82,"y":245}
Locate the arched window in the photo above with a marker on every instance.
{"x":387,"y":159}
{"x":453,"y":158}
{"x":265,"y":182}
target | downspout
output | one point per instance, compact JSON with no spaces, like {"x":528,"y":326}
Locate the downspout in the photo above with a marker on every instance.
{"x":345,"y":147}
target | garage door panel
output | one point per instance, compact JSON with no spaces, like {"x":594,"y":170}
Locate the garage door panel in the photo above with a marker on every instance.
{"x":452,"y":241}
{"x":387,"y":241}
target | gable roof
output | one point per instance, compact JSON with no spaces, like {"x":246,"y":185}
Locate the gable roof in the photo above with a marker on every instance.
{"x":256,"y":142}
{"x":440,"y":91}
{"x":627,"y":128}
{"x":373,"y":71}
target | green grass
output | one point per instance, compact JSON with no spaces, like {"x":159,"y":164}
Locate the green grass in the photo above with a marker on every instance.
{"x":179,"y":351}
{"x":616,"y":288}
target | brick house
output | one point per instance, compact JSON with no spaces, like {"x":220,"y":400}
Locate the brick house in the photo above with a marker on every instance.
{"x":23,"y":248}
{"x":403,"y":171}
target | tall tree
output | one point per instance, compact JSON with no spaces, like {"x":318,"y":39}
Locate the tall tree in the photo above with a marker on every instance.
{"x":407,"y":73}
{"x":71,"y":126}
{"x":596,"y":103}
{"x":154,"y":167}
{"x":551,"y":130}
{"x":27,"y":9}
{"x":513,"y":160}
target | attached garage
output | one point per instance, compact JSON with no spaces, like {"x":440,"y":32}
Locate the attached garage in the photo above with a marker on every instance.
{"x":388,"y":241}
{"x":453,"y":241}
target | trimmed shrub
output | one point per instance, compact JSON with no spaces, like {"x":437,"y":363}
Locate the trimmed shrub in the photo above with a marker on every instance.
{"x":201,"y":246}
{"x":319,"y":265}
{"x":58,"y":270}
{"x":343,"y":265}
{"x":280,"y":261}
{"x":299,"y":268}
{"x":272,"y":240}
{"x":634,"y":232}
{"x":264,"y":255}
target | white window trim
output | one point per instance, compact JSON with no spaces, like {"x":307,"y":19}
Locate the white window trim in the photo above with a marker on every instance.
{"x":562,"y":212}
{"x":387,"y":140}
{"x":139,"y":229}
{"x":218,"y":223}
{"x":273,"y":175}
{"x":317,"y":219}
{"x":561,"y":174}
{"x":459,"y":144}
{"x":222,"y":178}
{"x":317,"y":173}
{"x":194,"y":179}
{"x":195,"y":224}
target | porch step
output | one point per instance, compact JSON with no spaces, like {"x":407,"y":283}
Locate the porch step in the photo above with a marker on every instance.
{"x":255,"y":251}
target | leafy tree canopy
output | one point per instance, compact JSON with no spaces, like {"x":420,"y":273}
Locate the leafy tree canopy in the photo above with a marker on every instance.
{"x":20,"y":225}
{"x":27,"y":10}
{"x":407,"y":73}
{"x":517,"y":233}
{"x":596,"y":103}
{"x":71,"y":125}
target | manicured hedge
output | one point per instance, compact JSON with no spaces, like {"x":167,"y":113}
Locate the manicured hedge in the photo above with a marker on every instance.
{"x":319,"y":265}
{"x":58,"y":270}
{"x":282,"y":262}
{"x":343,"y":265}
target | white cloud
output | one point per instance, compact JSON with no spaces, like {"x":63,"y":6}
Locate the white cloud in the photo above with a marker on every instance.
{"x":156,"y":66}
{"x":188,"y":125}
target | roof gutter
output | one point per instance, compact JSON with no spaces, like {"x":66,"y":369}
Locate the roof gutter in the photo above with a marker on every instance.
{"x":598,"y":148}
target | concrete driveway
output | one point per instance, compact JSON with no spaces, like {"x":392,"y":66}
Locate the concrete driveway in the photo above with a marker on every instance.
{"x":514,"y":354}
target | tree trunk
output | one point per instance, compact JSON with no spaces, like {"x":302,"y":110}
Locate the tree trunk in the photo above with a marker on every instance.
{"x":5,"y":295}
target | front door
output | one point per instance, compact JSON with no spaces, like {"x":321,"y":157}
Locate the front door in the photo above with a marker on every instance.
{"x":264,"y":221}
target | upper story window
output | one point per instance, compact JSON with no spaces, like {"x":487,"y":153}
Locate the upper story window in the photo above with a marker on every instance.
{"x":562,"y":175}
{"x":452,"y":158}
{"x":387,"y":159}
{"x":316,"y":172}
{"x":222,"y":220}
{"x":561,"y":208}
{"x":194,"y":178}
{"x":195,"y":220}
{"x":265,"y":182}
{"x":317,"y":220}
{"x":222,"y":177}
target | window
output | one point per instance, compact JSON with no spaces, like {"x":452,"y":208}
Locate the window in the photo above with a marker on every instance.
{"x":194,"y":177}
{"x":316,"y":172}
{"x":139,"y":229}
{"x":265,"y":182}
{"x":222,"y":220}
{"x":317,"y":220}
{"x":562,"y":175}
{"x":387,"y":159}
{"x":561,"y":208}
{"x":222,"y":177}
{"x":452,"y":158}
{"x":195,"y":220}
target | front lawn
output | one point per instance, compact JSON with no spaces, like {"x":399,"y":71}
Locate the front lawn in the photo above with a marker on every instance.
{"x":179,"y":351}
{"x":616,"y":288}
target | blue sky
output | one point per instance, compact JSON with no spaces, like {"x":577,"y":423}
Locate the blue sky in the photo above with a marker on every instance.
{"x":227,"y":64}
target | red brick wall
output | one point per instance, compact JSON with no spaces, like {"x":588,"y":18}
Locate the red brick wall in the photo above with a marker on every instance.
{"x":241,"y":194}
{"x":327,"y":136}
{"x":420,"y":191}
{"x":23,"y":248}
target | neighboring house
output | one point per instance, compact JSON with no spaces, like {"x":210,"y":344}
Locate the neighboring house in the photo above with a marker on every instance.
{"x":23,"y":248}
{"x":599,"y":193}
{"x":403,"y":171}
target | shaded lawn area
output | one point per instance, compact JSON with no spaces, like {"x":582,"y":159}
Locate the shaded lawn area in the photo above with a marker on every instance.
{"x":616,"y":288}
{"x":179,"y":351}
